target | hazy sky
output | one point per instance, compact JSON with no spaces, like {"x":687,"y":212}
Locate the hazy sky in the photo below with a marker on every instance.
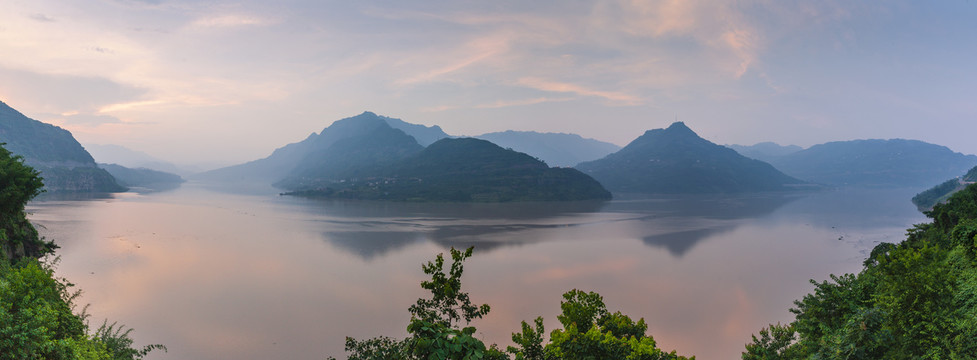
{"x":199,"y":81}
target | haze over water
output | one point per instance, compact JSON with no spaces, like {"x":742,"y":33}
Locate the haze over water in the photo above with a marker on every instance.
{"x":215,"y":275}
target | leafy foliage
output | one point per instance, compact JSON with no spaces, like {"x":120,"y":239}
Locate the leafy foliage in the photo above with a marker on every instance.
{"x":36,"y":308}
{"x":916,"y":299}
{"x":435,"y":333}
{"x":19,"y":184}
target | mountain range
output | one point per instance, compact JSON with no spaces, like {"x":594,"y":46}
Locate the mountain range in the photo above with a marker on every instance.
{"x":375,"y":161}
{"x":677,"y":160}
{"x":64,"y":164}
{"x":556,"y":149}
{"x":873,"y":162}
{"x":284,"y":160}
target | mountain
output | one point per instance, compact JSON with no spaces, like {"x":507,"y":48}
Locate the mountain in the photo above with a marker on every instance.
{"x":284,"y":160}
{"x":939,"y":193}
{"x":895,"y":162}
{"x":677,"y":160}
{"x":556,"y":149}
{"x":63,"y":162}
{"x":765,"y":151}
{"x":143,"y":178}
{"x":465,"y":170}
{"x":368,"y":151}
{"x":133,"y":159}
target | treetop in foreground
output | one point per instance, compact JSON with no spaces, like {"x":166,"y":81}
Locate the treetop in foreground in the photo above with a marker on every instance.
{"x":589,"y":331}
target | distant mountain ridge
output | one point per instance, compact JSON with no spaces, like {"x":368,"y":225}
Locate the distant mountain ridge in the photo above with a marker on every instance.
{"x":133,"y":159}
{"x":875,"y":162}
{"x":143,"y":178}
{"x":64,"y":164}
{"x":765,"y":151}
{"x":284,"y":160}
{"x":556,"y":149}
{"x":677,"y":160}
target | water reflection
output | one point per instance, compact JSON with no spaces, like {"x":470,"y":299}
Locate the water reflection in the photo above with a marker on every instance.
{"x":675,"y":223}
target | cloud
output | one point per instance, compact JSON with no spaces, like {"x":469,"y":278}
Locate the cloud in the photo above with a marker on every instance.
{"x":90,"y":119}
{"x":231,"y":20}
{"x":619,"y":98}
{"x":471,"y":53}
{"x":129,"y":105}
{"x":523,"y":102}
{"x":41,"y":17}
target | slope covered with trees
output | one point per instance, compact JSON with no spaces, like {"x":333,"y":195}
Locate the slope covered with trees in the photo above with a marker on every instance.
{"x":676,"y":160}
{"x":62,"y":161}
{"x":939,"y":193}
{"x":912,"y":300}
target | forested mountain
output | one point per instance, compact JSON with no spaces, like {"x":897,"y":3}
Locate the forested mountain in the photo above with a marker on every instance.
{"x":367,"y":153}
{"x":676,"y":160}
{"x":465,"y":169}
{"x":765,"y":151}
{"x":939,"y":193}
{"x":895,"y":162}
{"x":283,"y":161}
{"x":556,"y":149}
{"x":63,"y":162}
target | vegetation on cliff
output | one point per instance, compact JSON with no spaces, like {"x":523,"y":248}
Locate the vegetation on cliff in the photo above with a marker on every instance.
{"x":38,"y":318}
{"x":916,"y":299}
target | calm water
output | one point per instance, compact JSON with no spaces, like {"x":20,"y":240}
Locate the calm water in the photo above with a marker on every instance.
{"x":220,"y":276}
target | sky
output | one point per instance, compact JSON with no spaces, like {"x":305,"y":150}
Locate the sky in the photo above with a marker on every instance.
{"x":229,"y":81}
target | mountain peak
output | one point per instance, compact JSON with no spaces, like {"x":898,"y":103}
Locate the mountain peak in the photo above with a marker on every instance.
{"x":679,"y":127}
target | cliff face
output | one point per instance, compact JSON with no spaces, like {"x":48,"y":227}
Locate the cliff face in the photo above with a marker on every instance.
{"x":63,"y":162}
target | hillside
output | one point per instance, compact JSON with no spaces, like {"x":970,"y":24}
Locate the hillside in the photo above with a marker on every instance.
{"x":940,"y":193}
{"x":676,"y":160}
{"x":63,"y":162}
{"x":895,"y":162}
{"x":556,"y":149}
{"x":283,"y":161}
{"x":466,"y":170}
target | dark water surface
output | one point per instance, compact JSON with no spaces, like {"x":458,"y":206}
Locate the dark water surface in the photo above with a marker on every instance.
{"x":222,"y":276}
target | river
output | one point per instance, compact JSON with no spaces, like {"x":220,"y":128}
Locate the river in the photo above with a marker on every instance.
{"x":216,"y":275}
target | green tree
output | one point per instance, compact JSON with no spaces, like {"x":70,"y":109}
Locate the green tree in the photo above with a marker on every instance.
{"x":19,"y":184}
